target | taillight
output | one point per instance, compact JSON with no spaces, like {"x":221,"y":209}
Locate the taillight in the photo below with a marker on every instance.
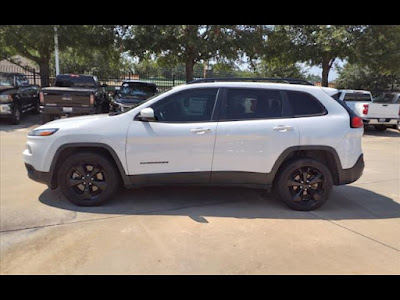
{"x":399,"y":111}
{"x":41,"y":97}
{"x":356,"y":122}
{"x":91,"y":99}
{"x":365,"y":110}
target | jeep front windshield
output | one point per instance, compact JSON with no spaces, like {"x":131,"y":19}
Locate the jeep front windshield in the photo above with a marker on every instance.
{"x":6,"y":80}
{"x":74,"y":81}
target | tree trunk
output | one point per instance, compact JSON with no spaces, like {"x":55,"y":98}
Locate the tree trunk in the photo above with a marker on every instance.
{"x":189,"y":69}
{"x":325,"y":72}
{"x":44,"y":66}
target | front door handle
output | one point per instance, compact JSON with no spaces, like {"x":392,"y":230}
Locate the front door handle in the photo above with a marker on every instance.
{"x":200,"y":130}
{"x":283,"y":128}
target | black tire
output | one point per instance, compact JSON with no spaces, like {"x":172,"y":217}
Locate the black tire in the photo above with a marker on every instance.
{"x":16,"y":115}
{"x":47,"y":118}
{"x":398,"y":126}
{"x":380,"y":127}
{"x":304,"y":184}
{"x":88,"y":179}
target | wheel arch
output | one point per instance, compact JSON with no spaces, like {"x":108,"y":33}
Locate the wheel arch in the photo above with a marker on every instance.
{"x":324,"y":154}
{"x":67,"y":150}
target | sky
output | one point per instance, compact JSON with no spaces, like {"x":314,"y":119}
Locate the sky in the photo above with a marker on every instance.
{"x":333,"y":74}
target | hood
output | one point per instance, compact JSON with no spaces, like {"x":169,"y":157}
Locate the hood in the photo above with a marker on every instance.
{"x":130,"y":99}
{"x":73,"y":122}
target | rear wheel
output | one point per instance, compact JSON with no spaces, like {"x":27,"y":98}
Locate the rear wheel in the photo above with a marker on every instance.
{"x":304,"y":184}
{"x":398,"y":125}
{"x":88,"y":179}
{"x":380,"y":127}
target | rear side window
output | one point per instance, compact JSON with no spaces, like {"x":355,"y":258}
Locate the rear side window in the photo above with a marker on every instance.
{"x":303,"y":104}
{"x":247,"y":104}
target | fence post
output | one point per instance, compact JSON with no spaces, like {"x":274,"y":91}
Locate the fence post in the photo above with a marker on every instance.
{"x":129,"y":75}
{"x":34,"y":76}
{"x":173,"y":79}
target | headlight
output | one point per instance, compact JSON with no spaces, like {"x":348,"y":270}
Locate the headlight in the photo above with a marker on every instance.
{"x":5,"y":98}
{"x":43,"y":132}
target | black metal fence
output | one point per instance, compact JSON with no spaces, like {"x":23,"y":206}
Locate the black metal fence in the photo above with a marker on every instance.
{"x":164,"y":79}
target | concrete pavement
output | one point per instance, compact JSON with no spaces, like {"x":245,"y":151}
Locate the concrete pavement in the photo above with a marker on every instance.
{"x":201,"y":230}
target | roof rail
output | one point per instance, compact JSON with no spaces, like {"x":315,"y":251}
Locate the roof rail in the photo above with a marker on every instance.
{"x":253,"y":79}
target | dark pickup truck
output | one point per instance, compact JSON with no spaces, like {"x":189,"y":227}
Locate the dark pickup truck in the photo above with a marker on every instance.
{"x":17,"y":96}
{"x":73,"y":95}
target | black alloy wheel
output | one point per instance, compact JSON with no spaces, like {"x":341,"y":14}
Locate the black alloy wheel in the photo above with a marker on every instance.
{"x":304,"y":184}
{"x":88,"y":179}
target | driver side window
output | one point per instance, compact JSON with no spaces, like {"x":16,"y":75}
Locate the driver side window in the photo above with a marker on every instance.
{"x":196,"y":105}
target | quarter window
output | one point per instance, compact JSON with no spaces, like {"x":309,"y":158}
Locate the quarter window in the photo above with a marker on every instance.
{"x":303,"y":104}
{"x":189,"y":106}
{"x":246,"y":104}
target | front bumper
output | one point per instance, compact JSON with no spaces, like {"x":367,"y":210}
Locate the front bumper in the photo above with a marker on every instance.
{"x":62,"y":111}
{"x":381,"y":121}
{"x":41,"y":177}
{"x":352,"y":174}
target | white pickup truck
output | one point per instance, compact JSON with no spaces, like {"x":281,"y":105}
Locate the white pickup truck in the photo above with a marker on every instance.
{"x":380,"y":115}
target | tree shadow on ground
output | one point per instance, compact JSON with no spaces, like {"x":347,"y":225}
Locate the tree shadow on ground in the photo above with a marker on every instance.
{"x":346,"y":202}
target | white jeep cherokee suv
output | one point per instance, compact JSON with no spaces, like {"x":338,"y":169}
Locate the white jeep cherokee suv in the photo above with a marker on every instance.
{"x":294,"y":138}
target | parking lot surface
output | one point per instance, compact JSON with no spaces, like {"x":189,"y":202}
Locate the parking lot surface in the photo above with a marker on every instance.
{"x":192,"y":230}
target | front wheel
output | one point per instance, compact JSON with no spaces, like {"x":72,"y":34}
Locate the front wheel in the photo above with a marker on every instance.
{"x":304,"y":184}
{"x":88,"y":179}
{"x":16,"y":115}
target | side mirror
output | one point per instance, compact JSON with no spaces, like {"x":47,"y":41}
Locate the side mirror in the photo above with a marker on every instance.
{"x":147,"y":115}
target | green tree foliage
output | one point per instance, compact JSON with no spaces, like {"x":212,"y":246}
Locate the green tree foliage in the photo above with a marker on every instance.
{"x":318,"y":45}
{"x":357,"y":77}
{"x":191,"y":44}
{"x":378,"y":49}
{"x":36,"y":42}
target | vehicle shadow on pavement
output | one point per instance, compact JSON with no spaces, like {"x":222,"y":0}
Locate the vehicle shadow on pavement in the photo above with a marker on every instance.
{"x":346,"y":202}
{"x":390,"y":132}
{"x":27,"y":121}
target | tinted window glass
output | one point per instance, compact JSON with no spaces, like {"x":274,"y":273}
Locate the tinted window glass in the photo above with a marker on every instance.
{"x":303,"y":104}
{"x":75,"y":81}
{"x":6,"y":79}
{"x":245,"y":104}
{"x":137,"y":89}
{"x":357,"y":97}
{"x":189,"y":106}
{"x":22,"y":80}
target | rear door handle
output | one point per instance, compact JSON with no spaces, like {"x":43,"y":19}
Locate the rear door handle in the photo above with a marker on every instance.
{"x":283,"y":128}
{"x":200,"y":130}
